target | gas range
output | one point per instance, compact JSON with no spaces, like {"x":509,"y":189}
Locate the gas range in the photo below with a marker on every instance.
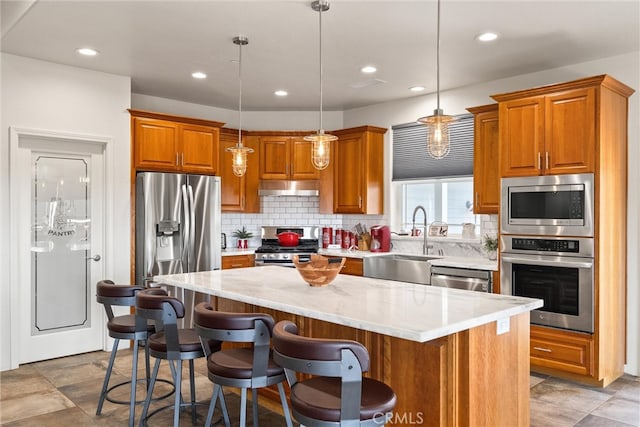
{"x":271,"y":252}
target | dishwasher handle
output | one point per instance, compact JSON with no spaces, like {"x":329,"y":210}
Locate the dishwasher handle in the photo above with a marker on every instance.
{"x":465,"y":283}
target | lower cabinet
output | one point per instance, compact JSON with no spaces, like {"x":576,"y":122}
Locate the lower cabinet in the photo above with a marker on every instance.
{"x":238,"y":261}
{"x":352,"y":266}
{"x":563,"y":350}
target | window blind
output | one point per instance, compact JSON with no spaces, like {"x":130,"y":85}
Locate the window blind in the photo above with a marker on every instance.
{"x":410,"y":157}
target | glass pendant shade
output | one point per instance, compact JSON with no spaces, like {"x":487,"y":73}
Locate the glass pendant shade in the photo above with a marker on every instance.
{"x":321,"y":149}
{"x":239,"y":158}
{"x":437,"y":133}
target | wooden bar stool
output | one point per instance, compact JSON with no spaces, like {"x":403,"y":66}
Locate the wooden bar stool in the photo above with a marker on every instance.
{"x":336,"y":394}
{"x":246,"y":367}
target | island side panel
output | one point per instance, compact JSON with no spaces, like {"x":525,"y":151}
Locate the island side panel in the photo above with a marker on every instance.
{"x":486,"y":363}
{"x":421,"y":376}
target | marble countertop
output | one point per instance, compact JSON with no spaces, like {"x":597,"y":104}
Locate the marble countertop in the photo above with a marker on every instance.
{"x":477,"y":263}
{"x":404,"y":310}
{"x":236,"y":251}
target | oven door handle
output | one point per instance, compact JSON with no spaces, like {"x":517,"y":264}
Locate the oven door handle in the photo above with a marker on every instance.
{"x":548,"y":261}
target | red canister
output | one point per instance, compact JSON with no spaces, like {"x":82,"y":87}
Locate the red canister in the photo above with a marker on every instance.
{"x":327,"y":236}
{"x":338,"y":239}
{"x":346,"y":239}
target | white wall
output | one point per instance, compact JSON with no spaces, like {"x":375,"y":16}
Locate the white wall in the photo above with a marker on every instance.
{"x":47,"y":96}
{"x":252,"y":120}
{"x":625,"y":68}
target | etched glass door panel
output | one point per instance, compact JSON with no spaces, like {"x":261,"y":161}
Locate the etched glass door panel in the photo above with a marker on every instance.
{"x":60,"y":243}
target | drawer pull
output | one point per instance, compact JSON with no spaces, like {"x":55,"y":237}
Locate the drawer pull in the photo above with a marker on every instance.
{"x":546,"y":350}
{"x":236,"y":265}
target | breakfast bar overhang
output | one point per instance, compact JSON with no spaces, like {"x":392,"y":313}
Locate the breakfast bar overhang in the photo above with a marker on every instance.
{"x":453,"y":357}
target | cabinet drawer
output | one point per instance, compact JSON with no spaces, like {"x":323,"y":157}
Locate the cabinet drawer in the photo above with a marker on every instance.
{"x":238,"y":261}
{"x":352,"y":266}
{"x":566,"y":351}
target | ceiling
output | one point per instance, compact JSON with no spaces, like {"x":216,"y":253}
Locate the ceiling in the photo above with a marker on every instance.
{"x":160,"y":43}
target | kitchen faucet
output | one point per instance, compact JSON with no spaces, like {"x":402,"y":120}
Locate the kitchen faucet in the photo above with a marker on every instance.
{"x":425,"y":248}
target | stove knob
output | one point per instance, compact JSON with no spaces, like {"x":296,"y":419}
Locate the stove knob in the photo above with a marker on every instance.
{"x":285,"y":256}
{"x":270,"y":256}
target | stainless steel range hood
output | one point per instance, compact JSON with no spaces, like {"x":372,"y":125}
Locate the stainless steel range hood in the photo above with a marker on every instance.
{"x":288,"y":188}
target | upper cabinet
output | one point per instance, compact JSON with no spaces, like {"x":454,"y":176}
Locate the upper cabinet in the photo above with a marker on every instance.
{"x":354,"y":181}
{"x":552,"y":129}
{"x":239,"y":193}
{"x":285,"y":156}
{"x":174,"y":144}
{"x":486,"y":175}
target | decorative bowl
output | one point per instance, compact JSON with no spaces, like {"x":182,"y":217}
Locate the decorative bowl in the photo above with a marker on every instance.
{"x":320,"y":271}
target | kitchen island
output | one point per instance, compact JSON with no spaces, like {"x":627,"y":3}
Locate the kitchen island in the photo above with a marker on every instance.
{"x":453,"y":357}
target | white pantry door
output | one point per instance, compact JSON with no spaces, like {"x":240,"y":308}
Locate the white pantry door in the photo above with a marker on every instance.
{"x":59,"y":201}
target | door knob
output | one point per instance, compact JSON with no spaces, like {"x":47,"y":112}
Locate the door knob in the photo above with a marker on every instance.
{"x":95,"y":258}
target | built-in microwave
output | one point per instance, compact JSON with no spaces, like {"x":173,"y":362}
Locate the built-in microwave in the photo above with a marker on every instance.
{"x":551,"y":205}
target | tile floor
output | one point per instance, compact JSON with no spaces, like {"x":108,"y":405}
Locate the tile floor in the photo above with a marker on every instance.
{"x":63,"y":392}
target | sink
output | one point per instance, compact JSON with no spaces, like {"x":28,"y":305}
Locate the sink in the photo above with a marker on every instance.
{"x":400,"y":267}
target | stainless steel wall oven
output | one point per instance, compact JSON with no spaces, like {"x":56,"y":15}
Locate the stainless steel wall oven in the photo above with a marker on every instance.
{"x":555,"y":269}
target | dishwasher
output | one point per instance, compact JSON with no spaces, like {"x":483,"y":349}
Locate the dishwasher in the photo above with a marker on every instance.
{"x":461,"y":278}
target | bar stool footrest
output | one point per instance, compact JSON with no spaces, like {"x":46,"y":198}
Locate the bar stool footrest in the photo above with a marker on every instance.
{"x":127,"y":402}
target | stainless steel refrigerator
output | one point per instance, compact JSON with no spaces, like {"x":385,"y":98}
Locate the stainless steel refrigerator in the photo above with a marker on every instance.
{"x":177,"y":227}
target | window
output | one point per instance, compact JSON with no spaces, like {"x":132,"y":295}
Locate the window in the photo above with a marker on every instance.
{"x":445,"y":200}
{"x":443,"y":187}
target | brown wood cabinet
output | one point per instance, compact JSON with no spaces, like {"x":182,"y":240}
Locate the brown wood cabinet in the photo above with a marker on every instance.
{"x":239,"y":194}
{"x":238,"y":261}
{"x":577,"y":127}
{"x":567,"y":351}
{"x":354,"y":181}
{"x":548,"y":133}
{"x":353,"y":267}
{"x":286,"y":156}
{"x":486,"y":173}
{"x":166,"y":143}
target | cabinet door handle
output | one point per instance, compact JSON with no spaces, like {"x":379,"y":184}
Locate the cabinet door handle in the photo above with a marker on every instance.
{"x":181,"y":159}
{"x":360,"y":201}
{"x":539,"y":159}
{"x":477,"y":202}
{"x":546,"y":160}
{"x":177,"y":159}
{"x":546,"y":350}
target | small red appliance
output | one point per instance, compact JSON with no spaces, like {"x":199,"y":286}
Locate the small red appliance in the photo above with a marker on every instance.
{"x":380,"y":238}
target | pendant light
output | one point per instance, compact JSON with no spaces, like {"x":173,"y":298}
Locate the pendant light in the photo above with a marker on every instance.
{"x":321,"y":148}
{"x":438,"y":123}
{"x":239,"y":152}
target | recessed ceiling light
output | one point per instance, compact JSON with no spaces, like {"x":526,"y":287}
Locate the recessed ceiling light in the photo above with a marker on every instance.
{"x":198,"y":75}
{"x":487,"y":37}
{"x":416,"y":88}
{"x":368,"y":69}
{"x":281,"y":93}
{"x":87,"y":51}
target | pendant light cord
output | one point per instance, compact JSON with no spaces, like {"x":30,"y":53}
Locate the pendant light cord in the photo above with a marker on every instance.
{"x":438,"y":60}
{"x":240,"y":95}
{"x":321,"y":5}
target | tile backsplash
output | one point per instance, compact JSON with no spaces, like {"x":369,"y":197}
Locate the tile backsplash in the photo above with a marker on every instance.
{"x":304,"y":210}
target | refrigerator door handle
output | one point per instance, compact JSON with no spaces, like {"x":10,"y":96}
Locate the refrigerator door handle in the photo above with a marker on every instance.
{"x":186,"y":231}
{"x":192,"y":225}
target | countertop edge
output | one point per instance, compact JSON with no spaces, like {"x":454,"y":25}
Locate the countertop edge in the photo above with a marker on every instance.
{"x":523,"y":305}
